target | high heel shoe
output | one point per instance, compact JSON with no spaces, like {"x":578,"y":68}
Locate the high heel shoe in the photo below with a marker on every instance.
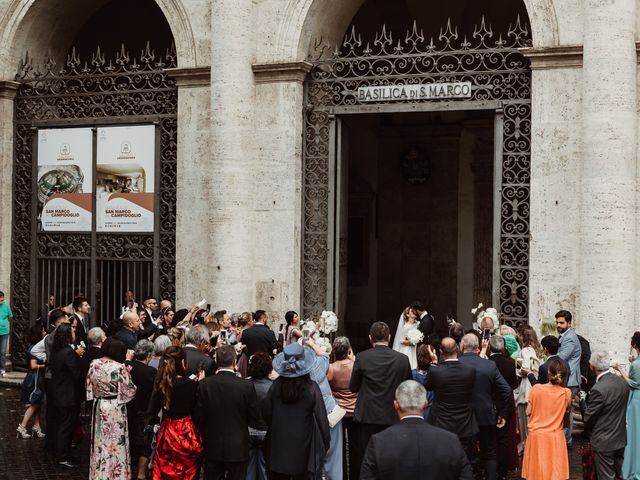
{"x":22,"y":432}
{"x":37,"y":431}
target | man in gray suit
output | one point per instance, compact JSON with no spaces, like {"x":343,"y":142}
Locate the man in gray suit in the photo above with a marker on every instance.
{"x":605,"y":418}
{"x":570,"y":351}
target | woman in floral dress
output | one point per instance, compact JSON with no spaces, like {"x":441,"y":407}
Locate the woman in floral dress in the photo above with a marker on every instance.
{"x":110,"y":385}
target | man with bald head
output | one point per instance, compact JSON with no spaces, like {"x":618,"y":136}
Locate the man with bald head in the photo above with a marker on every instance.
{"x":489,"y":385}
{"x":452,"y":383}
{"x":128,"y":334}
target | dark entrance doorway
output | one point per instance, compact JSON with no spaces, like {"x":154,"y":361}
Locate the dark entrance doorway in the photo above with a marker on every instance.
{"x":395,"y":75}
{"x":420,"y":214}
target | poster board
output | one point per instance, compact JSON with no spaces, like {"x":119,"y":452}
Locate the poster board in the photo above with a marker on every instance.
{"x":65,"y":179}
{"x":125,"y":179}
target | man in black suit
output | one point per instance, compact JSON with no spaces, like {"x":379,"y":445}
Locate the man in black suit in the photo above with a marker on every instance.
{"x":226,"y":406}
{"x":194,"y":351}
{"x":412,"y":448}
{"x":143,"y":377}
{"x":491,"y":394}
{"x":605,"y":418}
{"x":377,"y":372}
{"x":150,"y":305}
{"x":507,"y":367}
{"x":551,"y":345}
{"x":259,"y":337}
{"x":452,"y":385}
{"x":67,"y":390}
{"x":81,"y":309}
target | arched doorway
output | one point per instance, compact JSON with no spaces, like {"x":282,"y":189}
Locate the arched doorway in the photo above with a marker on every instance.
{"x":441,"y":108}
{"x":95,"y":167}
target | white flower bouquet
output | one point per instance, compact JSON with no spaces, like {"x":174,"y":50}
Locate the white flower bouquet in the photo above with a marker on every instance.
{"x":324,"y":343}
{"x":328,"y":322}
{"x":415,"y":336}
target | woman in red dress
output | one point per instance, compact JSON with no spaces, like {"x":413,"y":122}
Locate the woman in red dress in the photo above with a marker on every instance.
{"x":179,"y":444}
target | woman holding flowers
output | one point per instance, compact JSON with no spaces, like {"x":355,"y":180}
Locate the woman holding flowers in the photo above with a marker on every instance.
{"x":408,"y":336}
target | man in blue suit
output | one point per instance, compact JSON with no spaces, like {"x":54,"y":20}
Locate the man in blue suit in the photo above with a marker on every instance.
{"x":570,"y":351}
{"x":489,"y":385}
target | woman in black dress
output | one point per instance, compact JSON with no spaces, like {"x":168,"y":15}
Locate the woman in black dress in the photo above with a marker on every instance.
{"x":295,"y":414}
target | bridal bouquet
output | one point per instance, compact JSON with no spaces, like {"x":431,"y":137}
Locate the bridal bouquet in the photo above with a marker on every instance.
{"x":415,"y":336}
{"x":328,"y":322}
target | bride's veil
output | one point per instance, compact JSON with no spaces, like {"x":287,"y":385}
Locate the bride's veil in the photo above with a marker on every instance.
{"x":398,"y":337}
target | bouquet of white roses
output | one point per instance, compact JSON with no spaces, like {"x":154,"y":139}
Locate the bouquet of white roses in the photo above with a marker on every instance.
{"x":328,"y":322}
{"x":415,"y":336}
{"x":324,"y":343}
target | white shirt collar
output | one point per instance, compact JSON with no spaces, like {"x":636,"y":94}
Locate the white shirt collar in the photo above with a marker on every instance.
{"x":601,"y":374}
{"x":451,"y":360}
{"x":230,"y":370}
{"x":424,"y":314}
{"x":412,"y":416}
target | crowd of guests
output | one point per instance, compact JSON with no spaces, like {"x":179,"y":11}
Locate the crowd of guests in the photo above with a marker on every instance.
{"x":177,"y":394}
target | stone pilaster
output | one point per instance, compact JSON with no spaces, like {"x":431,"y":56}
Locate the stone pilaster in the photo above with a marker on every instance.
{"x":195,"y":184}
{"x":8,"y":91}
{"x":279,"y":99}
{"x":234,"y":189}
{"x":606,"y":304}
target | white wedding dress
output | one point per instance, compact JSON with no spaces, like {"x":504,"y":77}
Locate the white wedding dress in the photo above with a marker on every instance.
{"x":408,"y":350}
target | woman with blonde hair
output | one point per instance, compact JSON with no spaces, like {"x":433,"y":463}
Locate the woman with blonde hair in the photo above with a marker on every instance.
{"x":545,"y":454}
{"x":179,"y":444}
{"x":529,"y":358}
{"x":176,"y":335}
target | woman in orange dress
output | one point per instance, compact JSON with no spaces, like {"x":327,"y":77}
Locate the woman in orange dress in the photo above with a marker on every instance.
{"x":545,"y":453}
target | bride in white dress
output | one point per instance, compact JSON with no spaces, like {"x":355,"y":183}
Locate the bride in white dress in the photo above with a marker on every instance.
{"x":408,"y":321}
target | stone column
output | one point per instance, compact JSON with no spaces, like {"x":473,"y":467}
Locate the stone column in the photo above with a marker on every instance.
{"x":278,"y":132}
{"x":606,"y":305}
{"x":8,"y":91}
{"x":195,"y":185}
{"x":230,"y":215}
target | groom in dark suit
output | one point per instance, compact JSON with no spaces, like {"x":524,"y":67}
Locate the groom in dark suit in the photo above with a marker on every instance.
{"x":412,"y":448}
{"x":606,"y":417}
{"x":377,"y":372}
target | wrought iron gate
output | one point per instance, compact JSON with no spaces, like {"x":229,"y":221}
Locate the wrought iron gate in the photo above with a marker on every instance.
{"x":92,"y":93}
{"x":501,"y":80}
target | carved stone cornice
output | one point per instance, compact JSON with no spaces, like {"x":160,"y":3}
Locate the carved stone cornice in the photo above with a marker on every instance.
{"x":569,"y":56}
{"x":554,"y":57}
{"x":281,"y":72}
{"x":191,"y":77}
{"x":8,"y":89}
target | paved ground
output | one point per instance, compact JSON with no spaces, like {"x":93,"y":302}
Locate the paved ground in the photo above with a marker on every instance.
{"x":27,"y":460}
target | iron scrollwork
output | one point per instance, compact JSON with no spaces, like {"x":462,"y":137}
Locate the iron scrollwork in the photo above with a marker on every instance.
{"x":96,"y":89}
{"x":492,"y":63}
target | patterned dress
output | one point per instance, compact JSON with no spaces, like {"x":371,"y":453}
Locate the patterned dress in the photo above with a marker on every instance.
{"x":109,"y":384}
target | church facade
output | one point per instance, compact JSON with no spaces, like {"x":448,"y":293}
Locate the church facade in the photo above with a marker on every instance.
{"x":346,"y":155}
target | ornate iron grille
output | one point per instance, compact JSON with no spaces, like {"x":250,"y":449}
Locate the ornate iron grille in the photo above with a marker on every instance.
{"x":499,"y":74}
{"x":124,"y":90}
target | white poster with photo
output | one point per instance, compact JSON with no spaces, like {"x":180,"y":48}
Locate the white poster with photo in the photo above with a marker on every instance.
{"x":65,"y":179}
{"x":125,"y":179}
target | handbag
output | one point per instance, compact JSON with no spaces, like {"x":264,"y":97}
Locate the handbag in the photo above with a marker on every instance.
{"x":588,"y":463}
{"x":37,"y":394}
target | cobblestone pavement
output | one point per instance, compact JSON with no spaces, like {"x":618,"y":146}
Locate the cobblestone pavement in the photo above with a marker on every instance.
{"x":27,"y":459}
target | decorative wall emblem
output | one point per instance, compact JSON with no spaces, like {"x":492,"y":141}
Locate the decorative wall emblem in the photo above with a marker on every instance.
{"x":416,"y":166}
